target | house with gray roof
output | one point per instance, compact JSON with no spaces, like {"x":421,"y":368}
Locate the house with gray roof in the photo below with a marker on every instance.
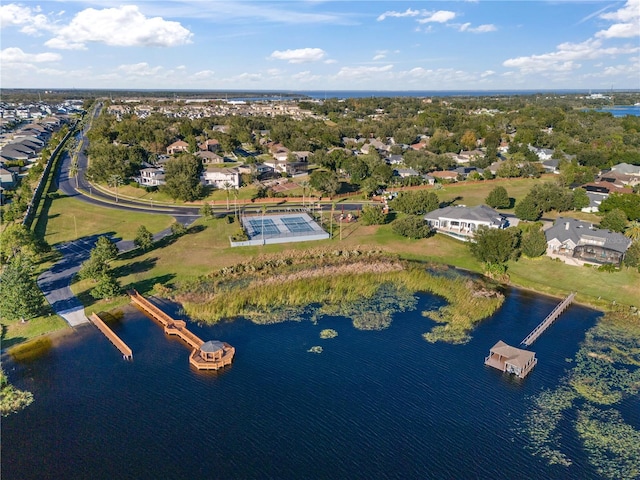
{"x":462,"y":222}
{"x":577,"y":243}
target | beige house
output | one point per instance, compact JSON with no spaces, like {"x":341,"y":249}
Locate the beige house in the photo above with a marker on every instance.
{"x":177,"y":147}
{"x":222,"y":178}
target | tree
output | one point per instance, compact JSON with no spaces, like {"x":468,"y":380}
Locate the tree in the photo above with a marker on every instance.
{"x":74,"y":171}
{"x":498,"y":198}
{"x":632,"y":255}
{"x":93,"y":269}
{"x":20,"y":297}
{"x":16,"y":239}
{"x":373,"y":215}
{"x":633,"y":231}
{"x":629,"y":203}
{"x":494,"y":246}
{"x":468,"y":140}
{"x":206,"y":211}
{"x":325,"y":181}
{"x":415,"y":203}
{"x":614,"y":220}
{"x":412,"y":226}
{"x":508,"y":169}
{"x":105,"y":250}
{"x":107,"y":287}
{"x":534,"y":242}
{"x":115,"y":181}
{"x":182,"y":176}
{"x":144,"y":238}
{"x":178,"y":229}
{"x":580,"y":199}
{"x":227,"y":187}
{"x":527,"y":209}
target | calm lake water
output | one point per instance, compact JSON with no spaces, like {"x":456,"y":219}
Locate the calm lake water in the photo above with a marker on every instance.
{"x":622,"y":110}
{"x":374,"y":405}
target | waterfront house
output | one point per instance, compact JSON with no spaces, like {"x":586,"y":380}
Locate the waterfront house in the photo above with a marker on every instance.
{"x":577,"y":243}
{"x":462,"y":222}
{"x":511,"y":359}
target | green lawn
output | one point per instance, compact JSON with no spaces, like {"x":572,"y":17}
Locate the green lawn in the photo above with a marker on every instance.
{"x":474,"y":193}
{"x":69,"y":219}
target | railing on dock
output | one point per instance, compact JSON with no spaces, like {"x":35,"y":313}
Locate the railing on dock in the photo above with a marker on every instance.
{"x":115,"y":339}
{"x":539,"y":330}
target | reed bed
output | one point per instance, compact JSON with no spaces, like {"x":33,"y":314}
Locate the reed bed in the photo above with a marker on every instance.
{"x":366,"y":286}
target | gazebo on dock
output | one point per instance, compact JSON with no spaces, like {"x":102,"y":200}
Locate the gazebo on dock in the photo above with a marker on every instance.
{"x":212,"y":351}
{"x":511,"y":359}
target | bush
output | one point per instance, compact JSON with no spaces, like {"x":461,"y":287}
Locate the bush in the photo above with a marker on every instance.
{"x":374,"y":215}
{"x":498,"y":198}
{"x":412,"y":226}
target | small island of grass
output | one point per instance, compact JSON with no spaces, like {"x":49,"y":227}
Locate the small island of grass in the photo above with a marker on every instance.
{"x":12,"y":400}
{"x":315,"y":349}
{"x":328,"y":333}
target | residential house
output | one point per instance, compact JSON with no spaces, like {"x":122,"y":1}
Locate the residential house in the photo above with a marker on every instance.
{"x":177,"y":147}
{"x":209,"y":158}
{"x":462,"y":222}
{"x":405,"y":172}
{"x":210,"y":145}
{"x":150,"y":177}
{"x":222,"y":178}
{"x":468,"y":156}
{"x":395,"y":160}
{"x":445,"y":175}
{"x":542,"y":153}
{"x":627,"y":169}
{"x":577,"y":243}
{"x":8,"y":178}
{"x":259,"y":169}
{"x":551,"y":166}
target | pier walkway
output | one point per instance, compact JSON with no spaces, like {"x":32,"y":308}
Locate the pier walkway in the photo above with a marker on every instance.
{"x":210,"y":355}
{"x":539,"y":330}
{"x":127,"y":353}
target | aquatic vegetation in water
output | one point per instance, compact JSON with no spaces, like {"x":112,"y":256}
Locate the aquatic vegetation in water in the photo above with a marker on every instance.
{"x":315,"y":349}
{"x":542,"y":423}
{"x":613,"y":446}
{"x":368,"y":287}
{"x":328,"y":333}
{"x":604,"y":374}
{"x":12,"y":400}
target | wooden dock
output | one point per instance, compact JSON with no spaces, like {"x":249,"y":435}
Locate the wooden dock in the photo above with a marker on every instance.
{"x":127,"y":353}
{"x":539,"y":330}
{"x":205,"y":355}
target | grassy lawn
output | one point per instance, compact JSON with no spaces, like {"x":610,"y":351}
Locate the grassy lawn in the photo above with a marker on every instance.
{"x":474,"y":193}
{"x":69,"y":218}
{"x":14,"y":333}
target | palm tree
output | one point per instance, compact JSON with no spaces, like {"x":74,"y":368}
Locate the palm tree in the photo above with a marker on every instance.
{"x":115,"y":181}
{"x":305,"y":185}
{"x":633,"y":231}
{"x":73,"y":171}
{"x":227,"y":186}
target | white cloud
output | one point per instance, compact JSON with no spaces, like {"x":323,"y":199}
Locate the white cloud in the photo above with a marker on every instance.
{"x":441,"y":16}
{"x":466,"y":27}
{"x":124,"y":26}
{"x":204,"y":74}
{"x":14,"y":55}
{"x":301,"y":55}
{"x":487,"y":73}
{"x":353,"y":73}
{"x":305,"y":77}
{"x":628,"y":18}
{"x":141,"y":69}
{"x":380,"y":54}
{"x":566,"y":54}
{"x":407,"y":13}
{"x":31,"y":21}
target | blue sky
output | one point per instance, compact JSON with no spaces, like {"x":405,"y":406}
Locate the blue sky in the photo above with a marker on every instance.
{"x":321,"y":45}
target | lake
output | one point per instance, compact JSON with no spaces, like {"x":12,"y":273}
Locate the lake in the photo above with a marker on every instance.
{"x":374,"y":404}
{"x":622,"y":110}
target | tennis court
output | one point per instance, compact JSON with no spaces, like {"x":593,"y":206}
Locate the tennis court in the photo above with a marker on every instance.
{"x":280,"y":228}
{"x":297,"y":224}
{"x":258,"y":225}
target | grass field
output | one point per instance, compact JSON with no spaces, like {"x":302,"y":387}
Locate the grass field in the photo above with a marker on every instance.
{"x":207,"y":248}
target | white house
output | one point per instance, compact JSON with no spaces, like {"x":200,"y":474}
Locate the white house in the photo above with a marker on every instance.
{"x":150,"y":177}
{"x":221,"y":178}
{"x":462,"y":222}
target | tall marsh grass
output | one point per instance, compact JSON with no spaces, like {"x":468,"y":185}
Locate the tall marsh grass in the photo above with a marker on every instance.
{"x":366,"y":286}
